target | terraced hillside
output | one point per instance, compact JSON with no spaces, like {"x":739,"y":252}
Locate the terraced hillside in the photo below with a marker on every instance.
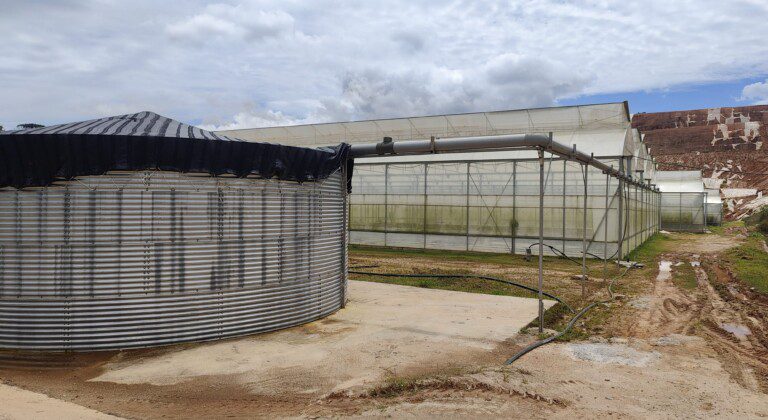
{"x":727,"y":144}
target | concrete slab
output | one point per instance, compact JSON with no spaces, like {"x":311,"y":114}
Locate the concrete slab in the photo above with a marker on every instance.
{"x":384,"y":330}
{"x":17,"y":403}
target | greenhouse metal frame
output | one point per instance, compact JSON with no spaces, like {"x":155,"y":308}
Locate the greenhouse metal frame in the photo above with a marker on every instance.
{"x":464,"y":201}
{"x":492,"y":206}
{"x":714,"y":207}
{"x":603,"y":215}
{"x":683,"y":201}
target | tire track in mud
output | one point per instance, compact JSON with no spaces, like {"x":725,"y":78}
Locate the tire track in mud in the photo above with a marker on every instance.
{"x":714,"y":306}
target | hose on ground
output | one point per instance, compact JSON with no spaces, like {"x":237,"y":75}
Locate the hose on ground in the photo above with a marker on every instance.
{"x":570,"y":324}
{"x":466,"y":276}
{"x":561,"y":253}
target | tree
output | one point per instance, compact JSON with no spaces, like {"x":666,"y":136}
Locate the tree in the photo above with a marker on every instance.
{"x":28,"y":126}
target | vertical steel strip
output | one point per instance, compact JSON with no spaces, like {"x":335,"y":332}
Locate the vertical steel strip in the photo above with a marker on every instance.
{"x":541,"y":240}
{"x":386,"y":202}
{"x":605,"y":228}
{"x":514,"y":224}
{"x":620,"y":239}
{"x":565,"y":172}
{"x":584,"y":237}
{"x":424,"y":222}
{"x":467,"y":208}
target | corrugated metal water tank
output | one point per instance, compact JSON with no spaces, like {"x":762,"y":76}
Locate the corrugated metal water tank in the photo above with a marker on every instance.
{"x":138,"y":231}
{"x":137,"y":259}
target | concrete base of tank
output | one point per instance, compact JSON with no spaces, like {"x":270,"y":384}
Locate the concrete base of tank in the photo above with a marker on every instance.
{"x":384,"y":331}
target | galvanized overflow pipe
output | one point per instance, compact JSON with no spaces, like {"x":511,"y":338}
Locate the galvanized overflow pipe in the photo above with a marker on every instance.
{"x":484,"y":143}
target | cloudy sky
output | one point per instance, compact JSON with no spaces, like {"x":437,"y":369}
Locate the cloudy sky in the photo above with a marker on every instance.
{"x":249,"y":63}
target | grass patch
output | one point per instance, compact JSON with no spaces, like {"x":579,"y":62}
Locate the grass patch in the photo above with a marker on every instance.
{"x":455,"y":284}
{"x":395,"y":386}
{"x":749,"y":262}
{"x":684,"y":276}
{"x":652,"y":248}
{"x":721,"y":229}
{"x":553,"y":318}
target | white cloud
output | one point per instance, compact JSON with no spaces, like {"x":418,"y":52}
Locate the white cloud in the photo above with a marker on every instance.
{"x":266,"y":62}
{"x":226,"y":21}
{"x":756,"y":92}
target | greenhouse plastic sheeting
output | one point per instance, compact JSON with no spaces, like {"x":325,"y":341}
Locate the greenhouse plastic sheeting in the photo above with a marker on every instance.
{"x":714,"y":207}
{"x":682,"y":200}
{"x":494,"y":206}
{"x":682,"y":211}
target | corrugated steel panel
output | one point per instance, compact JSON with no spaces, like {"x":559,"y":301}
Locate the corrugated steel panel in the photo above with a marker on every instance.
{"x":139,"y":259}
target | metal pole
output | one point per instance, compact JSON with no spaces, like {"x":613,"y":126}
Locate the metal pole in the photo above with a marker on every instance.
{"x":584,"y":238}
{"x":706,"y":196}
{"x":565,"y":172}
{"x":424,"y":227}
{"x":621,"y":211}
{"x":605,"y":228}
{"x":468,"y":206}
{"x":635,"y":218}
{"x":514,"y":204}
{"x":386,"y":201}
{"x":541,"y":240}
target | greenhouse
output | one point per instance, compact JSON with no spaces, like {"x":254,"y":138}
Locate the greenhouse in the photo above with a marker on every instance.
{"x":488,"y":201}
{"x":683,"y":200}
{"x":714,"y":206}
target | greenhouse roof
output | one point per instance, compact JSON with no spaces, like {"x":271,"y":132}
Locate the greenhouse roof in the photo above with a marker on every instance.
{"x":602,"y":129}
{"x":713,"y":196}
{"x":679,"y":181}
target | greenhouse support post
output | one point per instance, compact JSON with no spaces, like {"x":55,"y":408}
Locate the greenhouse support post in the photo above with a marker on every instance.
{"x":584,"y":237}
{"x":514,"y":205}
{"x":467,"y":208}
{"x":541,"y":239}
{"x":565,"y":183}
{"x":706,"y":196}
{"x":424,"y":224}
{"x":386,"y":202}
{"x":605,"y":227}
{"x":621,"y":211}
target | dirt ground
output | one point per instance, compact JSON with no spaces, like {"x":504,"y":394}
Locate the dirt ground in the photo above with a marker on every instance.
{"x":660,"y":350}
{"x":384,"y":331}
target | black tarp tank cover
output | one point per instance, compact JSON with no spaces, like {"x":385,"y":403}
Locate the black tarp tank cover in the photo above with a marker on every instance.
{"x":147,"y":141}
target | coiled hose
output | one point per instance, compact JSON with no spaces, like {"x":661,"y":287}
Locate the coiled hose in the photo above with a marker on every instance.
{"x":465,"y":276}
{"x":570,"y":324}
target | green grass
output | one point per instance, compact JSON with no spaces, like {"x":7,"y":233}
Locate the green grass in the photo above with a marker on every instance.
{"x":470,"y":256}
{"x":652,"y":248}
{"x":512,"y":260}
{"x":749,"y":262}
{"x":456,"y":284}
{"x":684,"y":276}
{"x":720,"y":230}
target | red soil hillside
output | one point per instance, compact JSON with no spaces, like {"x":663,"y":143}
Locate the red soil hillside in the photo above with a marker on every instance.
{"x":727,"y":144}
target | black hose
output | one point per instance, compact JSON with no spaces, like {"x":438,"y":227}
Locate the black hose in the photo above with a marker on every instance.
{"x":465,"y":276}
{"x":623,"y":235}
{"x":570,"y":324}
{"x":561,"y":253}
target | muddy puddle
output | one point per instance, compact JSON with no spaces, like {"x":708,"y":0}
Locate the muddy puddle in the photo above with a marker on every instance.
{"x":619,"y":354}
{"x":665,"y":271}
{"x":740,"y":331}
